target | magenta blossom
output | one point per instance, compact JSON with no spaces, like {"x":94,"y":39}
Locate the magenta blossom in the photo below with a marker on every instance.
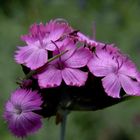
{"x":39,"y":41}
{"x":118,"y":71}
{"x":66,"y":68}
{"x":19,"y":112}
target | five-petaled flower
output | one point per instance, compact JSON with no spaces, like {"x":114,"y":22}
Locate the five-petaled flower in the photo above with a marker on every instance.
{"x":118,"y":71}
{"x":19,"y":112}
{"x":39,"y":42}
{"x":66,"y":67}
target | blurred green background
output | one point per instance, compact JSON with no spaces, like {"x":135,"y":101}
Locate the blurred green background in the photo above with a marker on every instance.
{"x":116,"y":22}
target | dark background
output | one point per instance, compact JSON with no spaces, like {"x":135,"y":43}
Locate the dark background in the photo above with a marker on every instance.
{"x":116,"y":22}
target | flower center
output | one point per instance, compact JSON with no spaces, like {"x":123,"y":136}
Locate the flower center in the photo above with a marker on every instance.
{"x":18,"y":110}
{"x":115,"y":70}
{"x":60,"y":65}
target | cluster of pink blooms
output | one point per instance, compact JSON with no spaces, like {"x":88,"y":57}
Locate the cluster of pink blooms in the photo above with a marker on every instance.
{"x":43,"y":42}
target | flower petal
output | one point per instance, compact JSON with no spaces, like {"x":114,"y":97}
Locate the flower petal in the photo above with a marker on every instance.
{"x":23,"y":53}
{"x":128,"y":68}
{"x":74,"y":77}
{"x":50,"y":46}
{"x":130,"y":86}
{"x":37,"y":32}
{"x":81,"y":37}
{"x":102,"y":63}
{"x":79,"y":58}
{"x":37,"y":59}
{"x":50,"y":78}
{"x":56,"y":34}
{"x":112,"y":85}
{"x":65,"y":45}
{"x":28,"y":99}
{"x":57,"y":29}
{"x":24,"y":124}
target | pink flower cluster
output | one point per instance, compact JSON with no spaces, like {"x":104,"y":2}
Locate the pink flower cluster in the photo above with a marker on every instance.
{"x":82,"y":56}
{"x":106,"y":61}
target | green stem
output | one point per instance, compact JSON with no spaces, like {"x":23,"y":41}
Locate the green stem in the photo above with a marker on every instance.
{"x":63,"y":125}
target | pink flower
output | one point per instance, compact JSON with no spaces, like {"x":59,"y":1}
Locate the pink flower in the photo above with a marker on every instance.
{"x":39,"y":41}
{"x":118,"y":71}
{"x":19,"y":112}
{"x":66,"y":68}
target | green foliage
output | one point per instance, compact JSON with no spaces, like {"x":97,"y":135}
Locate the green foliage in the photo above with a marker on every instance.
{"x":116,"y":22}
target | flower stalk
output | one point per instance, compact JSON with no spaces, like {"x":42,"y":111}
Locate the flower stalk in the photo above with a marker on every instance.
{"x":63,"y":125}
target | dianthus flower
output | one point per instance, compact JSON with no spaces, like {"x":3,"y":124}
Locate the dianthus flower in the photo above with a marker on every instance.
{"x":66,"y":68}
{"x":19,"y":112}
{"x":118,"y":71}
{"x":39,"y":42}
